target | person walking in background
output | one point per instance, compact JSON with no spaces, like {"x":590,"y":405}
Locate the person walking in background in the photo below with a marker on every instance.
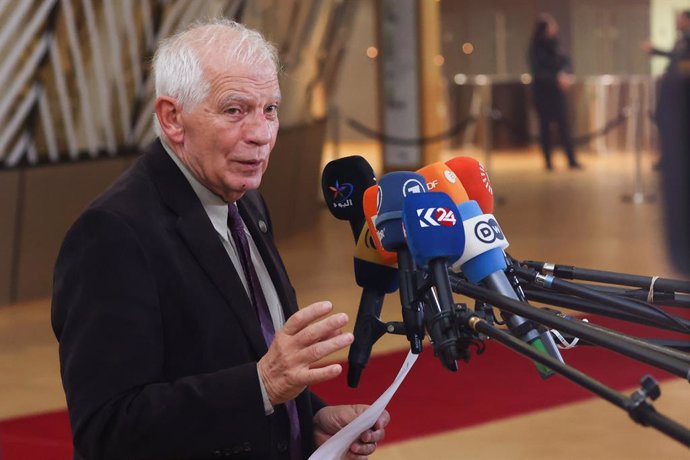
{"x":678,"y":68}
{"x":550,"y":81}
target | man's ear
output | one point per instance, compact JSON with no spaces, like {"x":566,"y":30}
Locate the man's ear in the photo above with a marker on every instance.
{"x":169,"y":114}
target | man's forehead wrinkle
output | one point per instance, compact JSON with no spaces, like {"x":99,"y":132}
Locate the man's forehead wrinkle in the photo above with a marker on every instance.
{"x":228,"y":86}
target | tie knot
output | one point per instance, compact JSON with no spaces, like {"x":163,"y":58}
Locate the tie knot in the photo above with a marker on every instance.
{"x":235,"y":223}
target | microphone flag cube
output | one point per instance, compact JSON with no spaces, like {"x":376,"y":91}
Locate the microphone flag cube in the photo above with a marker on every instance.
{"x":433,"y":228}
{"x":484,"y":245}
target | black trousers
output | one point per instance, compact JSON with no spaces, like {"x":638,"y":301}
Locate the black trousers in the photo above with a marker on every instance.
{"x":550,"y":103}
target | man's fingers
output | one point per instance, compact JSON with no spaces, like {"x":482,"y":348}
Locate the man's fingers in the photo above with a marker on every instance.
{"x":306,"y":316}
{"x":372,"y":436}
{"x":383,"y":420}
{"x":321,"y":374}
{"x":320,"y":350}
{"x":321,"y":330}
{"x":361,"y":448}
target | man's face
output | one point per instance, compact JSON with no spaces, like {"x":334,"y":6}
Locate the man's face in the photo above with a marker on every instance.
{"x":682,"y":22}
{"x":552,"y":29}
{"x":229,"y":136}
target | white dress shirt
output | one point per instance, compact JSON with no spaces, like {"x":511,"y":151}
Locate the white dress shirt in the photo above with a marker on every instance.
{"x":217,"y":210}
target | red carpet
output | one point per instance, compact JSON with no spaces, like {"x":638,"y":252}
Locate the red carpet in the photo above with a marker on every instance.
{"x":494,"y":385}
{"x":38,"y":437}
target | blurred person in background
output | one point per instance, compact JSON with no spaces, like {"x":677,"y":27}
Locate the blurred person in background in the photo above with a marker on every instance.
{"x":551,"y":78}
{"x":673,"y":121}
{"x":677,"y":69}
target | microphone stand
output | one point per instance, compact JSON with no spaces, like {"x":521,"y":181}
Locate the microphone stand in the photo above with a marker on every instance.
{"x":601,"y":276}
{"x":680,"y":345}
{"x":651,"y":318}
{"x":620,"y":304}
{"x":619,"y":343}
{"x":666,"y":299}
{"x":637,"y":405}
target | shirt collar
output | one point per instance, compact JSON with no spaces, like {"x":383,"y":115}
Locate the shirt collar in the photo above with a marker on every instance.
{"x":216,"y":208}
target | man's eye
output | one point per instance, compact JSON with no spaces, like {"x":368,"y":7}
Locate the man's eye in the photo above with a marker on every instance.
{"x":272,"y":108}
{"x":233,"y":111}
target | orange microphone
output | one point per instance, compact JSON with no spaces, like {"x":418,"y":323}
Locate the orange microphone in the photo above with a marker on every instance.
{"x":475,"y":180}
{"x":440,"y":178}
{"x":370,"y":206}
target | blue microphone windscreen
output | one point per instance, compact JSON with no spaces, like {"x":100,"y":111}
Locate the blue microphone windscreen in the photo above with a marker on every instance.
{"x":483,"y":238}
{"x":469,"y":209}
{"x":393,"y":188}
{"x":381,"y":278}
{"x":483,"y":265}
{"x":433,"y":227}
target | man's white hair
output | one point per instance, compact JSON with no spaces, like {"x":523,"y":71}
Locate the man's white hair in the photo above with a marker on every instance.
{"x":177,"y":63}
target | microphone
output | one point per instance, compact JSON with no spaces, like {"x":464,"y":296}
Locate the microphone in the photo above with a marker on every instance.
{"x":475,"y":180}
{"x":484,"y":262}
{"x":343,"y":182}
{"x":370,"y":205}
{"x":435,"y":235}
{"x":440,"y":178}
{"x":376,"y":279}
{"x":392,"y":190}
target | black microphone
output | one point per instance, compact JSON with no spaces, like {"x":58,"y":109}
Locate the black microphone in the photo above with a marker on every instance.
{"x":343,"y":183}
{"x":435,"y":237}
{"x":376,"y":280}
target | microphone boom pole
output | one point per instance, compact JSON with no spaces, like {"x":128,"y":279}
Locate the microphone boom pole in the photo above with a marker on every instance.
{"x":601,"y":276}
{"x":637,"y":406}
{"x":597,"y":336}
{"x":651,"y":318}
{"x":622,"y":304}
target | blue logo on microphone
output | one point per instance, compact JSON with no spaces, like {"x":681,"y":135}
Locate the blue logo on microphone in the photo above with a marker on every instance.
{"x":341,"y":194}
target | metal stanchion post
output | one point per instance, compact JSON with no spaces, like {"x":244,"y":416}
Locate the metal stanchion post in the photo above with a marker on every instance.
{"x":490,"y":115}
{"x":334,"y":123}
{"x":488,"y":127}
{"x":637,"y":196}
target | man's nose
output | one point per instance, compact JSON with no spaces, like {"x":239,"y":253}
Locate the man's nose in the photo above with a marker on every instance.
{"x":259,"y":130}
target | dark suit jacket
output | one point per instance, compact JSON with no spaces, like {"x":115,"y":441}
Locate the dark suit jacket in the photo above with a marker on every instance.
{"x":158,"y":339}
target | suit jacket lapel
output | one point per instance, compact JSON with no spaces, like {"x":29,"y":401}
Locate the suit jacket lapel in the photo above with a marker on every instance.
{"x":269,"y":254}
{"x":202,"y":240}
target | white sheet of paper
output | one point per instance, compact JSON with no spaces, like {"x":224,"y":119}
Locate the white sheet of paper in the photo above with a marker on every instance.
{"x":340,"y":443}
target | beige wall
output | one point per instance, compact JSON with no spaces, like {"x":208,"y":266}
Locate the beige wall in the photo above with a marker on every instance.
{"x":48,"y":200}
{"x":663,"y":28}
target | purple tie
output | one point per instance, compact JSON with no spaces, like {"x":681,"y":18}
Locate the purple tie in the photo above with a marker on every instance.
{"x":256,"y":294}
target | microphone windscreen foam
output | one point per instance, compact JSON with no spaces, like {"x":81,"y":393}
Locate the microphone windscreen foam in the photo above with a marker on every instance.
{"x":433,"y":228}
{"x":484,"y":243}
{"x":380,"y":278}
{"x":475,"y":180}
{"x":440,"y":178}
{"x":392,"y":190}
{"x":370,"y":205}
{"x":343,"y":183}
